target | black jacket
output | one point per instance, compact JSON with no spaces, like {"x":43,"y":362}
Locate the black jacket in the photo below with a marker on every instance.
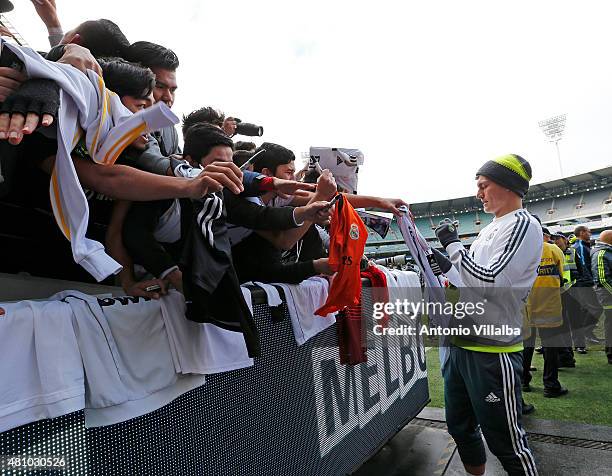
{"x":256,"y":259}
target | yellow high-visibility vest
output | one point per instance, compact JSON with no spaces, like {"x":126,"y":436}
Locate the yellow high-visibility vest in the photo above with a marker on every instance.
{"x":544,"y":303}
{"x":569,"y":268}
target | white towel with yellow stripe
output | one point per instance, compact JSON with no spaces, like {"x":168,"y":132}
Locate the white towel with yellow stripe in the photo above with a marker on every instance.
{"x":87,"y":108}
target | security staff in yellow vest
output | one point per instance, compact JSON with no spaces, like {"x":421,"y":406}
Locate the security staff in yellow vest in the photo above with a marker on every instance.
{"x":544,"y":313}
{"x":570,"y":306}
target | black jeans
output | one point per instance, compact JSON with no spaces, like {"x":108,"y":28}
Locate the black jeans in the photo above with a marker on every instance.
{"x":550,"y":345}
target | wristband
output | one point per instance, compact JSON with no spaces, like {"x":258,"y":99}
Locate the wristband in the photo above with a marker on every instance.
{"x":266,"y":184}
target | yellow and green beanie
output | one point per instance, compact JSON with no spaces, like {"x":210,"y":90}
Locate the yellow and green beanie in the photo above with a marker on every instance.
{"x":510,"y":171}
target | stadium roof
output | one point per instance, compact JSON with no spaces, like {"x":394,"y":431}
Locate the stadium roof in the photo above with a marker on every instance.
{"x":574,"y":183}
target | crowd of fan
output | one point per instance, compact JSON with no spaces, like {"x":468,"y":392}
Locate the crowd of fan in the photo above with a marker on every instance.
{"x":158,"y":200}
{"x":205,"y":217}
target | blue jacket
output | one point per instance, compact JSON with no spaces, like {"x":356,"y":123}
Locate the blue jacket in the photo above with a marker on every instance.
{"x":584,"y":277}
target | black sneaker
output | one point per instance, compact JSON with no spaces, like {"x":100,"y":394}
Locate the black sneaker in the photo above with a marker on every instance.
{"x":559,"y":392}
{"x":533,"y":369}
{"x":539,"y":350}
{"x":528,"y":408}
{"x":581,"y":350}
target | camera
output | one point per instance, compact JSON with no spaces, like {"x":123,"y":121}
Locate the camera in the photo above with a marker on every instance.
{"x":247,"y":129}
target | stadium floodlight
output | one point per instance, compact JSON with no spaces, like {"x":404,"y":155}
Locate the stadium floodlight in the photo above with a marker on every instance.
{"x":553,"y":130}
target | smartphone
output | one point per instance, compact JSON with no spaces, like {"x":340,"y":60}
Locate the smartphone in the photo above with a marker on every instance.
{"x":153,"y":288}
{"x":334,"y":200}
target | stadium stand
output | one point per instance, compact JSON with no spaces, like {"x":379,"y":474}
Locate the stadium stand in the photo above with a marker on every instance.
{"x":561,"y":205}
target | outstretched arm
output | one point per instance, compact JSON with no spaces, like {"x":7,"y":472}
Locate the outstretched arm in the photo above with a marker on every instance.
{"x":127,"y":183}
{"x":47,"y":11}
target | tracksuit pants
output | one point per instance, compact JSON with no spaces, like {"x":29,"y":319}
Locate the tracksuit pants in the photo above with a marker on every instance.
{"x":482,"y":395}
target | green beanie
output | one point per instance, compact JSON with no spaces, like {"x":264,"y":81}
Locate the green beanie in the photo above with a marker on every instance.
{"x":510,"y":171}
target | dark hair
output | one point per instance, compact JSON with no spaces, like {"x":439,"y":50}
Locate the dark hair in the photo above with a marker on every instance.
{"x":579,"y":229}
{"x":311,"y":176}
{"x":127,"y":79}
{"x":102,"y":38}
{"x":241,"y":156}
{"x":274,"y":156}
{"x":201,"y":138}
{"x":207,"y":115}
{"x":152,"y":55}
{"x":243,"y":145}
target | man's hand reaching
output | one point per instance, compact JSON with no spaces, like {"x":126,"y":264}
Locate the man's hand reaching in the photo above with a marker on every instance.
{"x":322,"y":266}
{"x":326,"y":186}
{"x":80,"y":57}
{"x":286,"y":188}
{"x":10,"y":80}
{"x":393,"y":205}
{"x":214,"y":178}
{"x":317,"y":212}
{"x":35,"y":103}
{"x":139,"y":289}
{"x":47,"y":11}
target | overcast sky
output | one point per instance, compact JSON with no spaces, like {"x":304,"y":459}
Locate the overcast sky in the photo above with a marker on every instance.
{"x":427,"y":90}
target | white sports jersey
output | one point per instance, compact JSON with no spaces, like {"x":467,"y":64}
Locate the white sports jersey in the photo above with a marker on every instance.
{"x":40,"y":368}
{"x":302,"y":301}
{"x":499,"y":269}
{"x":506,"y":253}
{"x":420,"y":250}
{"x":117,"y":339}
{"x":201,"y":348}
{"x":343,"y":163}
{"x":87,"y":106}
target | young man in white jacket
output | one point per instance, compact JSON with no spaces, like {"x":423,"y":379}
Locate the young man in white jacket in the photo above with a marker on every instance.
{"x":482,"y":376}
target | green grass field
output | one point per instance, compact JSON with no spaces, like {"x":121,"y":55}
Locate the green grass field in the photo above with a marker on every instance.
{"x":590,"y":388}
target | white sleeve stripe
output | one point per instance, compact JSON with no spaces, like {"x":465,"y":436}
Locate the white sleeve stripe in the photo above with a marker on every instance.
{"x":518,"y":234}
{"x":511,"y":243}
{"x":467,"y":266}
{"x":520,"y":228}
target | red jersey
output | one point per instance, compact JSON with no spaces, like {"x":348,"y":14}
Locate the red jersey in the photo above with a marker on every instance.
{"x":348,"y":236}
{"x":351,"y":324}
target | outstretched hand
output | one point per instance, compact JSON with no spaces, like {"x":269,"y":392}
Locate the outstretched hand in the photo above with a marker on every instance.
{"x":394,"y":205}
{"x":47,"y":11}
{"x":215,"y":177}
{"x":317,"y":212}
{"x":139,"y":289}
{"x":286,"y":188}
{"x":35,"y":103}
{"x":80,"y":58}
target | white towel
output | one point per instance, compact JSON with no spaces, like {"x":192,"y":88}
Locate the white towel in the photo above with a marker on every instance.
{"x":302,"y":301}
{"x":87,"y":106}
